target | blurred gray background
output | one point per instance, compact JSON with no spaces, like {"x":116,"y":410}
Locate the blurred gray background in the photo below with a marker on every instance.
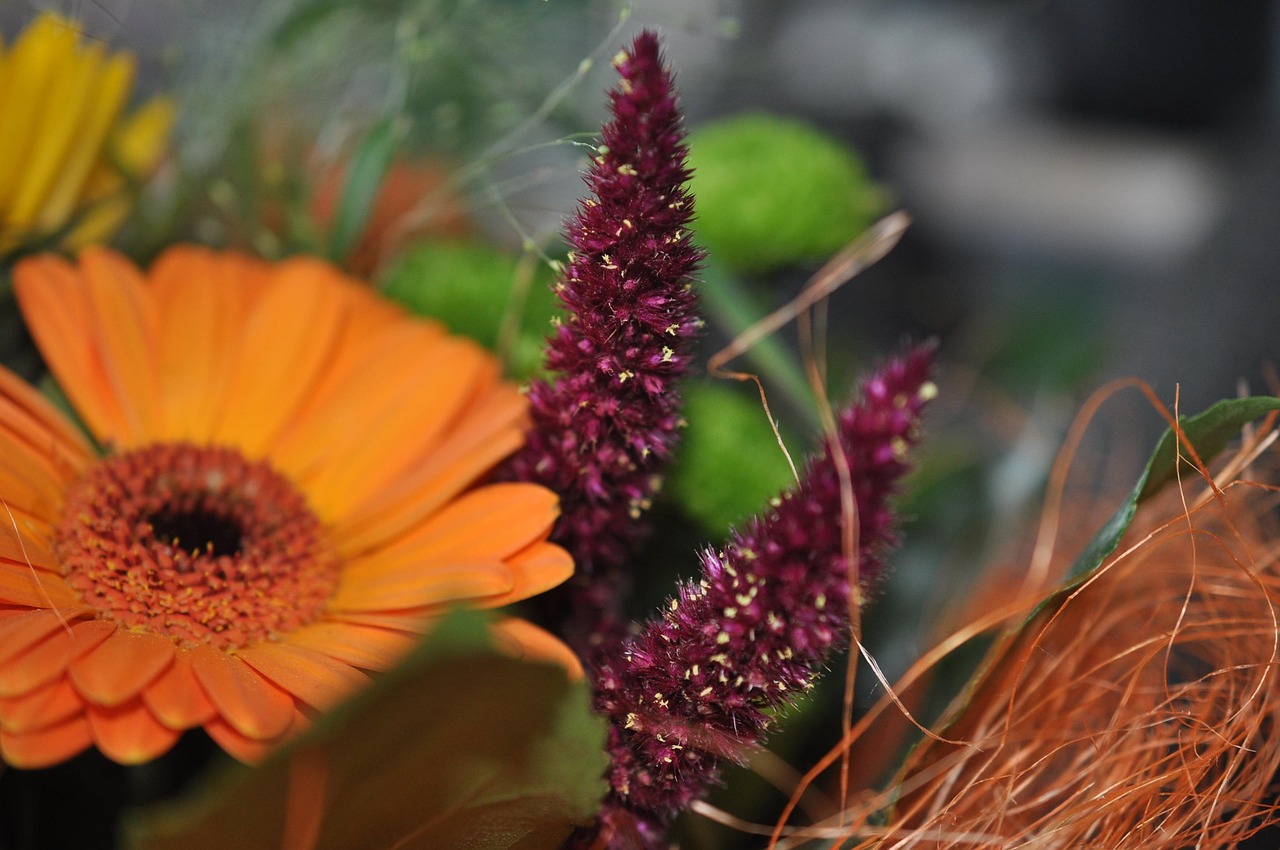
{"x":1115,"y":161}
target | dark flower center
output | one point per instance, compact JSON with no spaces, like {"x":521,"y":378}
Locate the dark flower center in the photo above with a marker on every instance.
{"x":197,"y":543}
{"x":197,"y":532}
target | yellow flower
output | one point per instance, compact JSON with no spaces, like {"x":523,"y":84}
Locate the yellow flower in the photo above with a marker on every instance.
{"x":286,"y":497}
{"x":68,"y":152}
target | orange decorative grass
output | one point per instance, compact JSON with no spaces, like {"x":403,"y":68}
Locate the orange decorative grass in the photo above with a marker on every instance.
{"x":1136,"y":710}
{"x":1139,"y":713}
{"x":285,"y":496}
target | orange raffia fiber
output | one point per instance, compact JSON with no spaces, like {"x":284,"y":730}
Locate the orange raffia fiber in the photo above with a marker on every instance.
{"x":1134,"y":709}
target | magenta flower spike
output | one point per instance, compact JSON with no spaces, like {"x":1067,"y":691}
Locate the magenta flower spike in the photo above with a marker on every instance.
{"x":695,"y":684}
{"x":608,"y":421}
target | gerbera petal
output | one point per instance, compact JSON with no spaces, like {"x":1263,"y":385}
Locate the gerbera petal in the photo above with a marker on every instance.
{"x":119,"y":668}
{"x":489,"y":522}
{"x":39,"y":664}
{"x":535,"y":570}
{"x":203,"y":298}
{"x":23,"y":543}
{"x":366,"y":647}
{"x":286,"y":345}
{"x":378,"y":584}
{"x":55,"y":306}
{"x":47,"y":745}
{"x":242,"y":747}
{"x":176,"y":697}
{"x":418,"y":404}
{"x":372,"y":323}
{"x":316,"y":679}
{"x":45,"y":706}
{"x":22,"y":585}
{"x":20,"y":631}
{"x":487,"y":434}
{"x":383,"y":420}
{"x":29,"y":480}
{"x":411,"y":620}
{"x":125,"y":328}
{"x":128,"y":733}
{"x":29,"y":416}
{"x":525,"y":640}
{"x":251,"y":705}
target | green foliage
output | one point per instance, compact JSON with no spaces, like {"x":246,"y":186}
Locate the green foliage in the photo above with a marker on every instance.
{"x":364,"y":179}
{"x":731,"y":464}
{"x":467,"y":284}
{"x":1209,"y":432}
{"x":773,"y":191}
{"x":459,"y":747}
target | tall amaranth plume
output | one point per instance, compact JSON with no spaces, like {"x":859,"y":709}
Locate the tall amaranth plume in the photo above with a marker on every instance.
{"x":604,"y":426}
{"x":696,"y":684}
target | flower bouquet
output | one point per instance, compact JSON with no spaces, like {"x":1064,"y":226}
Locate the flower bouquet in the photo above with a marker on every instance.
{"x":330,"y":521}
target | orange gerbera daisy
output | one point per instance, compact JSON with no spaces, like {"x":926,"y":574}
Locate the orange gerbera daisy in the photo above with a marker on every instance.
{"x":286,"y":496}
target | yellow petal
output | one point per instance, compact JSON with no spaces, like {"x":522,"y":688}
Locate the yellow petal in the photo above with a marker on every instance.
{"x":39,"y":58}
{"x":133,"y":152}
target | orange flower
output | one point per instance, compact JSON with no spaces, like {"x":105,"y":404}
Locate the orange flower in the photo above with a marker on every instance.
{"x":286,"y":498}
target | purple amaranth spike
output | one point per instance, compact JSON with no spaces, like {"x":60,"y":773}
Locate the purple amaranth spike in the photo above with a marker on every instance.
{"x":696,"y":683}
{"x":603,"y":428}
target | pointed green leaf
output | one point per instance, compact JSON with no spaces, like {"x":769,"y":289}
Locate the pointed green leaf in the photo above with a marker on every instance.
{"x":459,"y":747}
{"x":1209,"y":432}
{"x":364,"y":178}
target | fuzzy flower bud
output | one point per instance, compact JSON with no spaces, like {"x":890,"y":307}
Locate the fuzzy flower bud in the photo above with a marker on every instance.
{"x":696,"y":684}
{"x":609,"y":420}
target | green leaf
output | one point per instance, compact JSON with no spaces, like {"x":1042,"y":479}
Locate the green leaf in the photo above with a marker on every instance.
{"x":714,"y":481}
{"x":459,"y":747}
{"x":478,"y":290}
{"x":1209,"y":432}
{"x":774,"y":191}
{"x":364,"y":179}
